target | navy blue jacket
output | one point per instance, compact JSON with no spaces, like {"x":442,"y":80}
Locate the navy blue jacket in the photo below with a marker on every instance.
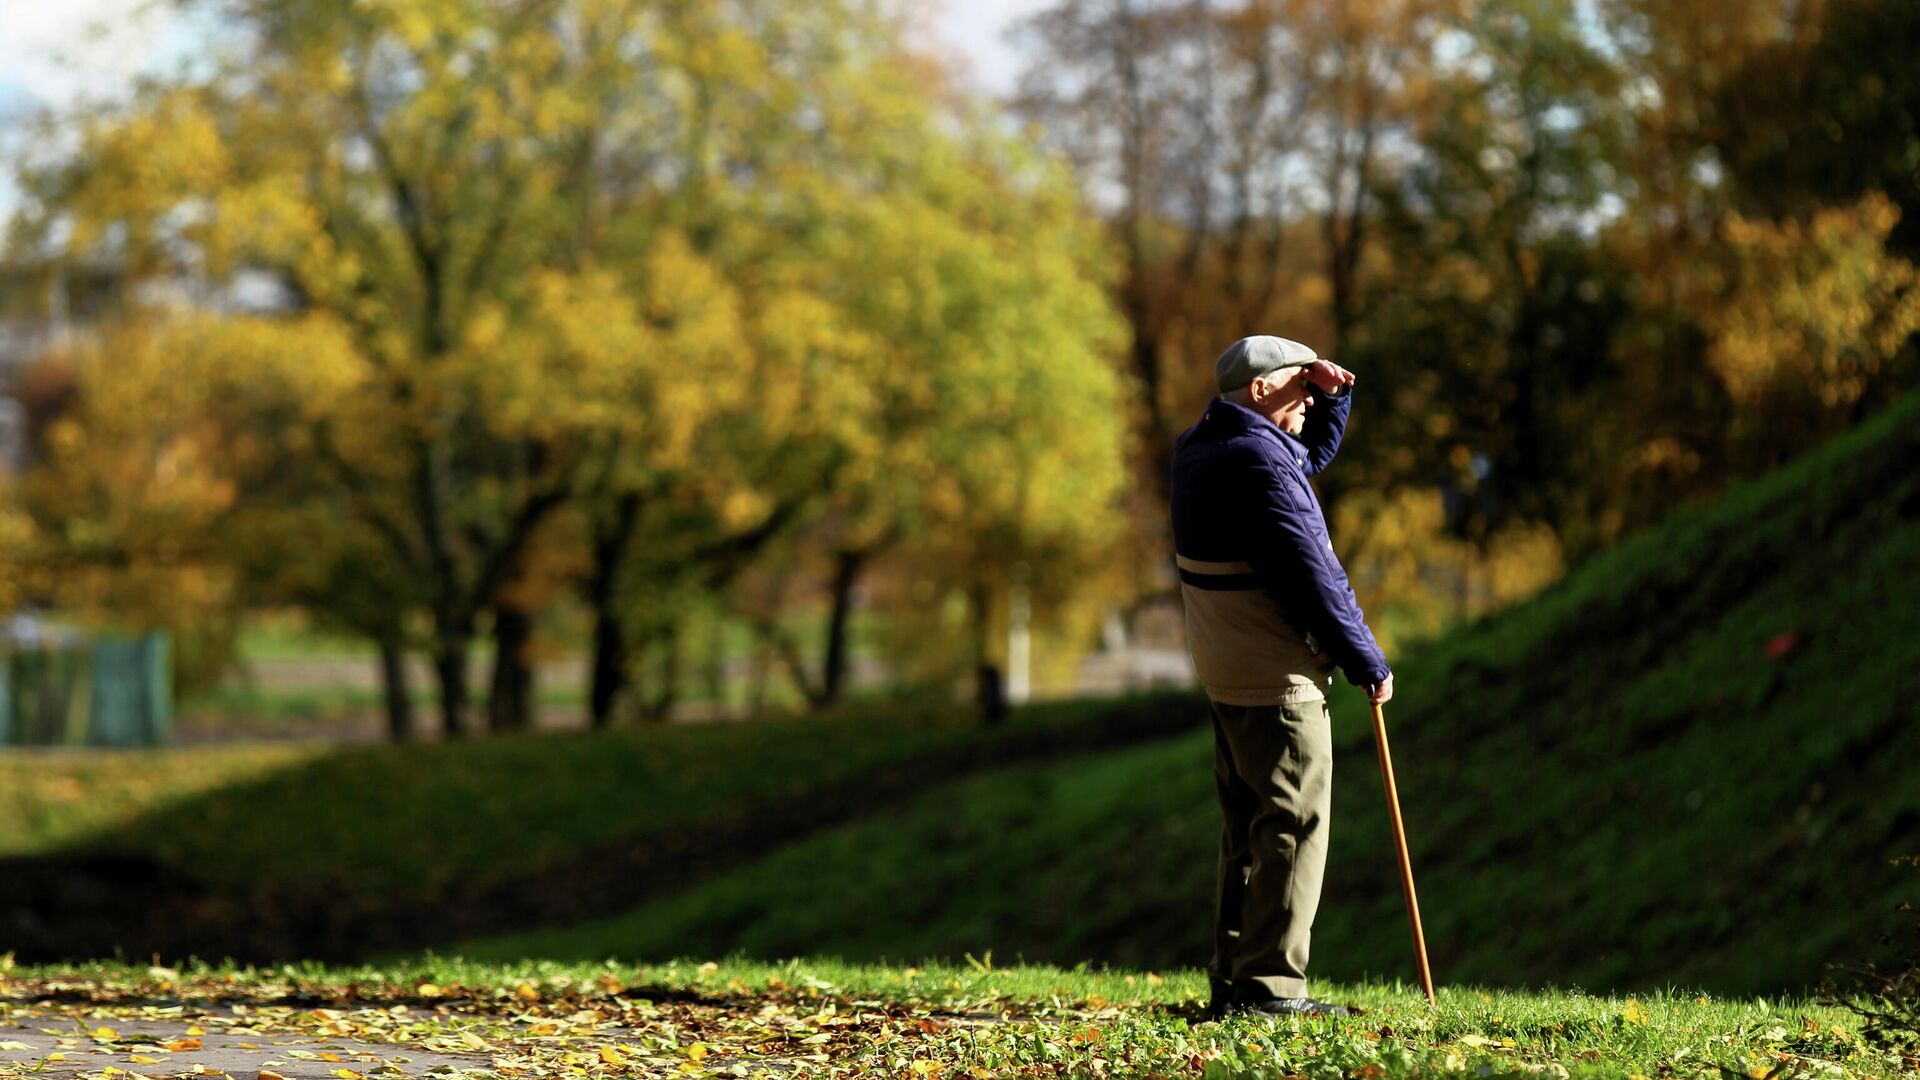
{"x":1245,"y":520}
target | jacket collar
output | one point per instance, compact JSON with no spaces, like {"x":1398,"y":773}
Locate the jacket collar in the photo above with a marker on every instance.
{"x":1226,"y":418}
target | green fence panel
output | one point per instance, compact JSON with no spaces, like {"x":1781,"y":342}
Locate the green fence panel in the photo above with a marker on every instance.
{"x":132,"y":700}
{"x":117,"y":691}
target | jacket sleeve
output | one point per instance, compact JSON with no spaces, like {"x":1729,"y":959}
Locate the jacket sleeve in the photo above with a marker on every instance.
{"x":1326,"y":423}
{"x":1305,"y":576}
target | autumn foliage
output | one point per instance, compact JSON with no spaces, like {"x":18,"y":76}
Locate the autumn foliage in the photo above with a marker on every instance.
{"x":436,"y":319}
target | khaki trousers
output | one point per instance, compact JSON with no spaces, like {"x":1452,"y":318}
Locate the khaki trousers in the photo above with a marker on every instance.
{"x":1273,"y":769}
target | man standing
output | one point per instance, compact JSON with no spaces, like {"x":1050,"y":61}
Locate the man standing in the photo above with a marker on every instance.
{"x":1270,"y":615}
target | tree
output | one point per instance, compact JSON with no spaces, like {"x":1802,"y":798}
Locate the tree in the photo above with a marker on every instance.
{"x":590,"y":279}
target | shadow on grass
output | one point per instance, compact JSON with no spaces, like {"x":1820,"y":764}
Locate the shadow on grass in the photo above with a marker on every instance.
{"x":392,"y":849}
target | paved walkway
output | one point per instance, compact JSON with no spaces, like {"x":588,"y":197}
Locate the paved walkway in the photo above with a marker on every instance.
{"x":215,"y":1041}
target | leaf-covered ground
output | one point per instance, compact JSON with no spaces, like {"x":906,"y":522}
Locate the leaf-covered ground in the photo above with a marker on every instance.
{"x":444,"y":1018}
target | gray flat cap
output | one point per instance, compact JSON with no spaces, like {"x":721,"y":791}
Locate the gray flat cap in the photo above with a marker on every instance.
{"x":1251,"y":357}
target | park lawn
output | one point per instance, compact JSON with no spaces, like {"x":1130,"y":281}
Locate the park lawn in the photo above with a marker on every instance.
{"x":392,"y":821}
{"x":1691,"y":763}
{"x":807,"y":1017}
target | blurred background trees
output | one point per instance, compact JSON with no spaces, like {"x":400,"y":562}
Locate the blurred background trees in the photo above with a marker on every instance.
{"x":601,"y":298}
{"x":1562,"y":244}
{"x":671,"y":334}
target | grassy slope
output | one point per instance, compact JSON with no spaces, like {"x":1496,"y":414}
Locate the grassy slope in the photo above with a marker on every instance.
{"x":391,"y":821}
{"x":1611,"y":786}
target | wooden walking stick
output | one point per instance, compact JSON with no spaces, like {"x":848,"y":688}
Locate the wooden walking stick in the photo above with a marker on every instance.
{"x":1400,"y":842}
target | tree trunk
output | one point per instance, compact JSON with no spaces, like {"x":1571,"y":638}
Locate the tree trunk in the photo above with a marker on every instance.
{"x":716,"y":666}
{"x":608,"y":673}
{"x":510,"y":698}
{"x":393,"y":682}
{"x":990,"y":692}
{"x":833,"y":671}
{"x":657,"y":701}
{"x":607,"y":676}
{"x":450,"y":670}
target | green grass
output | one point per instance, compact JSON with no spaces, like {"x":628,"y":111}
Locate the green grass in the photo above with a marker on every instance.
{"x":394,"y":821}
{"x":1612,"y":786}
{"x":290,"y":635}
{"x":978,"y":1019}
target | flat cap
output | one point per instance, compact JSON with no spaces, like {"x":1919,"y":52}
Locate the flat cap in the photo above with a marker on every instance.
{"x":1251,"y":357}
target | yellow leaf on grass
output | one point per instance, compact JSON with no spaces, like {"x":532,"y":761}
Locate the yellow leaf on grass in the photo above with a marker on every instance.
{"x":428,"y":990}
{"x":1087,"y":1035}
{"x":698,"y":1051}
{"x":611,"y":1055}
{"x":527,"y":992}
{"x":1633,"y":1013}
{"x":923,"y":1067}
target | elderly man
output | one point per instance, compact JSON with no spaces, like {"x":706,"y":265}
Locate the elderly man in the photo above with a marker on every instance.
{"x":1270,"y":616}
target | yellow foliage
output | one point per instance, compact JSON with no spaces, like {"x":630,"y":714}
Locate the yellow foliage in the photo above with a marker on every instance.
{"x":1812,"y":310}
{"x":1414,"y":579}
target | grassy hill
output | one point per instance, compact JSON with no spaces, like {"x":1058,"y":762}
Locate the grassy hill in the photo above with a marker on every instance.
{"x":267,"y":853}
{"x":1687,"y":764}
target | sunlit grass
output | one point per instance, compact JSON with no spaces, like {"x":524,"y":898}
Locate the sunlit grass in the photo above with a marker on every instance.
{"x":979,"y":1018}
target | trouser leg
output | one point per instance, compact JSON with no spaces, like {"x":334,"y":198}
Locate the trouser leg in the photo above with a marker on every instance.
{"x":1282,"y":756}
{"x":1238,"y":803}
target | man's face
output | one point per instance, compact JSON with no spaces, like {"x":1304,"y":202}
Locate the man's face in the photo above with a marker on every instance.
{"x":1284,"y":400}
